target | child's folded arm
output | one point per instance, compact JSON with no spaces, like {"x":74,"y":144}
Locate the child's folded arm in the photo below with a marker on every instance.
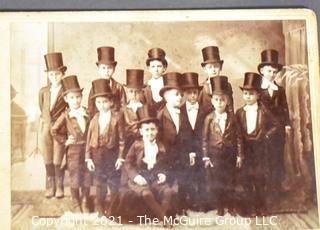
{"x":59,"y":136}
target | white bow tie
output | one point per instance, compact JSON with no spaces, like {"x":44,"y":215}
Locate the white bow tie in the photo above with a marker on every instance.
{"x":134,"y":105}
{"x":251,"y":107}
{"x":77,"y":112}
{"x":193,"y":107}
{"x":175,"y":110}
{"x":266,"y":84}
{"x":221,"y":116}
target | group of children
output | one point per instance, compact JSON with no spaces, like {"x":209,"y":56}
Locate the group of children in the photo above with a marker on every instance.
{"x":172,"y":143}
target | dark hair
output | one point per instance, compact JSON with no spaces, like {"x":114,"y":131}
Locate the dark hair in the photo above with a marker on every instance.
{"x":163,"y":61}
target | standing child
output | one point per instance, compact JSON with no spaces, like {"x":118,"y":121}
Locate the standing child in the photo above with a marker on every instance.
{"x":133,"y":89}
{"x":220,"y":146}
{"x":192,"y":162}
{"x":256,"y":126}
{"x":212,"y":65}
{"x":75,"y":121}
{"x":274,"y":98}
{"x":51,"y":105}
{"x":106,"y":66}
{"x":147,"y":166}
{"x":157,"y":65}
{"x":105,"y":144}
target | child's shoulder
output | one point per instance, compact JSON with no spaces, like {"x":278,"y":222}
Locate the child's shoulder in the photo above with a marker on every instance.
{"x":44,"y":88}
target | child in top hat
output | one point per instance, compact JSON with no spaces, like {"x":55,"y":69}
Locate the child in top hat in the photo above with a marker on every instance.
{"x":174,"y":132}
{"x":256,"y":126}
{"x":220,"y":147}
{"x":133,"y":89}
{"x":192,"y":162}
{"x":106,"y":66}
{"x":212,"y":65}
{"x":146,"y":166}
{"x":75,"y":121}
{"x":105,"y":144}
{"x":157,"y":65}
{"x":51,"y":106}
{"x":274,"y":98}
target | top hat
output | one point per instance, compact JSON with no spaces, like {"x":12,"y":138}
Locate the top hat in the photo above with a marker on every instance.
{"x":135,"y":78}
{"x":171,"y":80}
{"x":54,"y":62}
{"x":251,"y":81}
{"x":146,"y":114}
{"x":106,"y":56}
{"x":190,"y":80}
{"x":157,"y":54}
{"x":211,"y":54}
{"x":269,"y":57}
{"x":101,"y":87}
{"x":219,"y":85}
{"x":70,"y":84}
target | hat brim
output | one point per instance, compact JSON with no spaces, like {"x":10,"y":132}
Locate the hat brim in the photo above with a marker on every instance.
{"x":219,"y":93}
{"x":163,"y":60}
{"x":276,"y":65}
{"x":61,"y":68}
{"x":105,"y":62}
{"x":148,"y":120}
{"x":135,"y":87}
{"x":101,"y":95}
{"x":250,"y":88}
{"x":166,"y":88}
{"x":211,"y":61}
{"x":192,"y":87}
{"x":72,"y":90}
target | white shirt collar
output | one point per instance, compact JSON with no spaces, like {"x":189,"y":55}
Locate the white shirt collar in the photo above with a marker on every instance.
{"x":189,"y":106}
{"x":78,"y":112}
{"x":253,"y":107}
{"x":134,"y":105}
{"x":268,"y":84}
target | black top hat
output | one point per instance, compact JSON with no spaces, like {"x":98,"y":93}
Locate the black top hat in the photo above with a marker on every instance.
{"x":269,"y":57}
{"x":252,"y":81}
{"x":190,"y":80}
{"x":70,"y":84}
{"x":171,"y":80}
{"x":219,"y":85}
{"x":157,"y":54}
{"x":54,"y":62}
{"x":146,"y":114}
{"x":106,"y":56}
{"x":135,"y":78}
{"x":211,"y":54}
{"x":101,"y":87}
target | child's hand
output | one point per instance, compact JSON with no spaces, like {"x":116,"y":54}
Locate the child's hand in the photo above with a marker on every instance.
{"x":119,"y":163}
{"x":161,"y":178}
{"x":138,"y":179}
{"x":239,"y":162}
{"x":71,"y":140}
{"x":90,"y":165}
{"x":208,"y":164}
{"x":192,"y":158}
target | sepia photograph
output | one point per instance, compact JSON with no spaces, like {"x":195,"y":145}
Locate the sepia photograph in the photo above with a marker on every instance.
{"x":161,"y":119}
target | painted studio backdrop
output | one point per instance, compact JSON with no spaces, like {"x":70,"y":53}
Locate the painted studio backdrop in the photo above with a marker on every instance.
{"x":240,"y":44}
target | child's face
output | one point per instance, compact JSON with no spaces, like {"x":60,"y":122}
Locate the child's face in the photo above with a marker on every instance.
{"x":73,"y":99}
{"x":269,"y":72}
{"x":55,"y":77}
{"x":212,"y":69}
{"x":103,"y":104}
{"x":173,"y":97}
{"x":156,"y":68}
{"x":219,"y":102}
{"x":250,"y":96}
{"x":192,"y":95}
{"x":149,"y":131}
{"x":133,"y":94}
{"x":106,"y":71}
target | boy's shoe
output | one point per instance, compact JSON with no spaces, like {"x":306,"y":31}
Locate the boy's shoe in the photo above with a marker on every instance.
{"x":59,"y":187}
{"x":50,"y":187}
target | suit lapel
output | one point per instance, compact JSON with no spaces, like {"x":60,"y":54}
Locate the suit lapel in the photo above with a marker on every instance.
{"x":59,"y":97}
{"x":167,"y":116}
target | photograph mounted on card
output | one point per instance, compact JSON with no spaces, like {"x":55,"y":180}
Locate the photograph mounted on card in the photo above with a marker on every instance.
{"x":193,"y":117}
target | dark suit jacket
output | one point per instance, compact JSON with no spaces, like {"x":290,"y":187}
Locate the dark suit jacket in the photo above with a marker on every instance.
{"x":119,"y":98}
{"x":277,"y":104}
{"x":205,"y":97}
{"x":135,"y":165}
{"x":72,"y":127}
{"x":175,"y":143}
{"x":44,"y":105}
{"x":216,"y":142}
{"x":195,"y":143}
{"x":130,"y":119}
{"x":112,"y":137}
{"x":266,"y":125}
{"x":148,"y":99}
